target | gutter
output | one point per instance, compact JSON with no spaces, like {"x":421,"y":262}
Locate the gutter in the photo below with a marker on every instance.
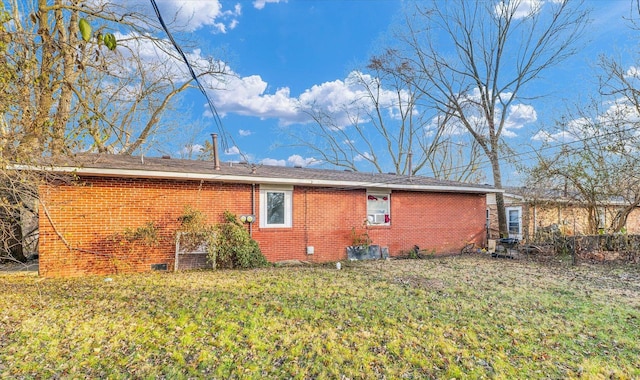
{"x":129,"y":173}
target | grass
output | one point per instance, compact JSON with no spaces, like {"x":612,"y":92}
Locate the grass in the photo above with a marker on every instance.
{"x":457,"y":317}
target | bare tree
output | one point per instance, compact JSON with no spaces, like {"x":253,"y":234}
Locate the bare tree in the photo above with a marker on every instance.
{"x":63,"y":88}
{"x":599,"y":155}
{"x":385,"y":122}
{"x":623,"y":119}
{"x":474,"y":59}
{"x":596,"y":163}
{"x":142,"y":89}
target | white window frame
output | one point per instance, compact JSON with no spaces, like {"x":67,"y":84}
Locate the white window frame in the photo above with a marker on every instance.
{"x":383,"y":213}
{"x":519,"y":211}
{"x":288,"y":206}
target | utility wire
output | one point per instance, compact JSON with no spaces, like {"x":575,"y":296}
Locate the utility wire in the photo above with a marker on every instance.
{"x":212,"y":107}
{"x":519,"y":157}
{"x":484,"y":163}
{"x":225,"y":145}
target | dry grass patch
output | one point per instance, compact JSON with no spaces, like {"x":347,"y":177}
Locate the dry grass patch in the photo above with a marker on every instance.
{"x":455,"y":317}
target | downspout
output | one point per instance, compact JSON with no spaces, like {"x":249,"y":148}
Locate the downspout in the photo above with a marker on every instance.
{"x":306,"y":225}
{"x":253,"y":207}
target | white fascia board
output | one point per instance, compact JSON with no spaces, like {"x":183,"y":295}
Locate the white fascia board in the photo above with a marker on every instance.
{"x":514,"y":196}
{"x":131,"y":173}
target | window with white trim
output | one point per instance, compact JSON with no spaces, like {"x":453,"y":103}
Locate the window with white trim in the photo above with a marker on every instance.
{"x":378,"y":208}
{"x":514,"y":222}
{"x":275,"y":207}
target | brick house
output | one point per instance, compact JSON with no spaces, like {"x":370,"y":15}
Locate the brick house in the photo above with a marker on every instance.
{"x":300,"y":213}
{"x":517,"y":211}
{"x":533,"y":213}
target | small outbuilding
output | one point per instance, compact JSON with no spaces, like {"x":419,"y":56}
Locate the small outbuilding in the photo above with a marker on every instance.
{"x":293,"y":213}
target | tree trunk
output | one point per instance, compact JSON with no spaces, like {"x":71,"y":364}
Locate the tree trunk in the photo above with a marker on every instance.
{"x":11,"y":232}
{"x":497,"y":183}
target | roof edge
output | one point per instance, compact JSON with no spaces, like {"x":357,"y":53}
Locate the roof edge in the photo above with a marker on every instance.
{"x":134,"y":173}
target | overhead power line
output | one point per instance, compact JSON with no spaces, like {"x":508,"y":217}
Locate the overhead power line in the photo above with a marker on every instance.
{"x":519,"y":157}
{"x":212,"y":107}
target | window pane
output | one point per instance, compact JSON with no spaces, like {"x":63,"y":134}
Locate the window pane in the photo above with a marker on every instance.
{"x":275,"y":207}
{"x":378,"y":208}
{"x":514,"y":221}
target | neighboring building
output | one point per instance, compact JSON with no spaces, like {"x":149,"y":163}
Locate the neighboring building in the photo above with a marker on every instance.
{"x":516,"y":212}
{"x":301,"y":213}
{"x":533,"y":213}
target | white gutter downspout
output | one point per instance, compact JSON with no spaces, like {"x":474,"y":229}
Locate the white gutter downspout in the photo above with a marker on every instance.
{"x":253,"y":207}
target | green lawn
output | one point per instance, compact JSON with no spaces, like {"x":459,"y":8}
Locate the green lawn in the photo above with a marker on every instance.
{"x":457,"y":317}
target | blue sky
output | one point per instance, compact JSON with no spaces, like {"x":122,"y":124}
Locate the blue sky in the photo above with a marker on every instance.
{"x":286,"y":52}
{"x":280,"y":50}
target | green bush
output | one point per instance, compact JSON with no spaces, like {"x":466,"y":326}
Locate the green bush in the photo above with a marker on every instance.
{"x":234,"y":247}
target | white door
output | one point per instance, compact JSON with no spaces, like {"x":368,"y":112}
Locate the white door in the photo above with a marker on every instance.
{"x":514,"y":222}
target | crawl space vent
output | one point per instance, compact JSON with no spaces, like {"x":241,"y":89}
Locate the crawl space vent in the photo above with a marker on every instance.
{"x":159,"y":266}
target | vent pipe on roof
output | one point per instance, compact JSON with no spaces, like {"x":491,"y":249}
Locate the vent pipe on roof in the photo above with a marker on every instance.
{"x":216,"y":157}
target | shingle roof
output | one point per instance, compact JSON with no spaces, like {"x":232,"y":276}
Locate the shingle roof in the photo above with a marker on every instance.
{"x":146,"y":167}
{"x":548,"y":194}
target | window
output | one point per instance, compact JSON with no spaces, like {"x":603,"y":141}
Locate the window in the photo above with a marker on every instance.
{"x":514,"y":221}
{"x":378,"y":206}
{"x":275,"y":207}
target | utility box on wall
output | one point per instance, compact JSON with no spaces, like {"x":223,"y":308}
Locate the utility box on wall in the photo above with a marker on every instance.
{"x":310,"y":250}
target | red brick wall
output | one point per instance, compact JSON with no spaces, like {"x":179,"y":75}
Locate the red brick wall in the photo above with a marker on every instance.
{"x":88,"y":215}
{"x":77,"y":223}
{"x":443,"y":222}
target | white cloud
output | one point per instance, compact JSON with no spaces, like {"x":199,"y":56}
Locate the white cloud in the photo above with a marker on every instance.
{"x":190,"y":149}
{"x":342,"y":99}
{"x":548,"y":137}
{"x":192,"y":15}
{"x":180,"y":15}
{"x":296,"y":160}
{"x":573,"y":130}
{"x":633,"y":72}
{"x":620,"y":111}
{"x":259,"y":4}
{"x":347,"y":99}
{"x":234,"y":150}
{"x":244,"y":132}
{"x":520,"y":9}
{"x":518,"y":116}
{"x":273,"y":162}
{"x":157,"y":57}
{"x":246,"y":96}
{"x":366,"y":156}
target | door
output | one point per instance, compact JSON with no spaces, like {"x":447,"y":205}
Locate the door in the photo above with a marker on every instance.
{"x":514,"y":222}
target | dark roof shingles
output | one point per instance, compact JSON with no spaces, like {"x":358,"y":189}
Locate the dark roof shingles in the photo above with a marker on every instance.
{"x":108,"y":161}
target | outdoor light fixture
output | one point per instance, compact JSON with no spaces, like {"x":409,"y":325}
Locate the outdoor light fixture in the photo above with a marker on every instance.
{"x":247,"y":218}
